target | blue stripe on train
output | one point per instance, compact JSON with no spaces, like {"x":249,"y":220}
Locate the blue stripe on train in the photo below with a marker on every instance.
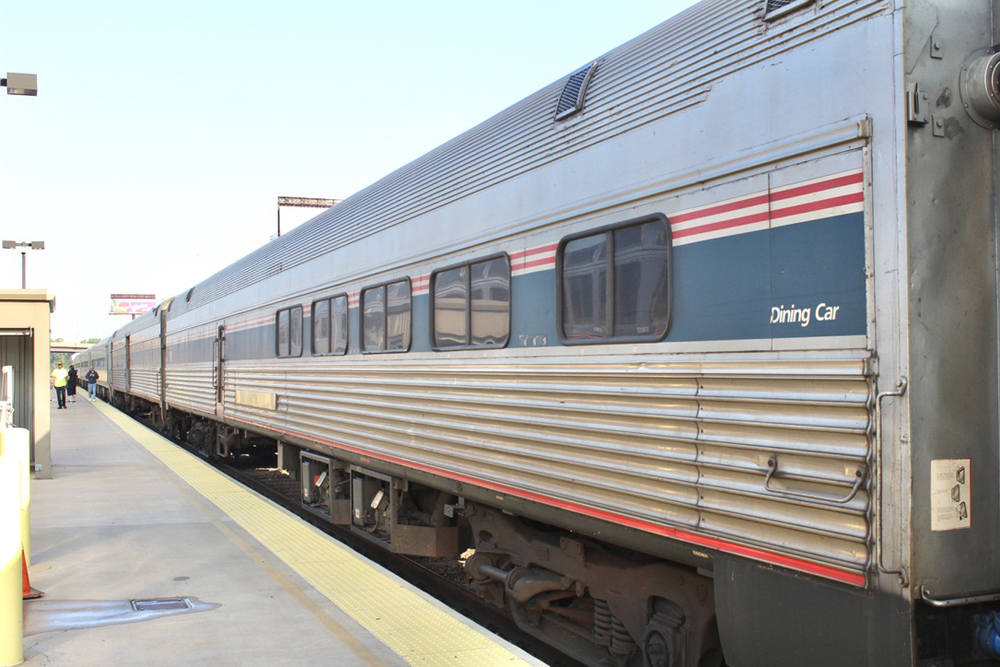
{"x":802,"y":280}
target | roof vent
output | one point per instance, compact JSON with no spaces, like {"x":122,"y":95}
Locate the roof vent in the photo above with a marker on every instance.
{"x":574,"y":92}
{"x":777,"y":8}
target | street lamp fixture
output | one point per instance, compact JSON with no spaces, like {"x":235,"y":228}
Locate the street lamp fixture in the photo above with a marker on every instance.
{"x":20,"y":84}
{"x":303,"y":202}
{"x":33,"y":245}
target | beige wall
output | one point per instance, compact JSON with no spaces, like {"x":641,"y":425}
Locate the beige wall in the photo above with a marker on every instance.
{"x":31,"y":309}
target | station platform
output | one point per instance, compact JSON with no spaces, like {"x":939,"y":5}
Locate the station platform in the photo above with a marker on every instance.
{"x":147,"y":555}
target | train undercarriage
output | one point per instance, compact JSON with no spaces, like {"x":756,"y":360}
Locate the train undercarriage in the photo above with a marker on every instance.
{"x":596,"y":604}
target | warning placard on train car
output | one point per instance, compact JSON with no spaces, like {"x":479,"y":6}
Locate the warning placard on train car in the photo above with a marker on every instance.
{"x":951,"y":494}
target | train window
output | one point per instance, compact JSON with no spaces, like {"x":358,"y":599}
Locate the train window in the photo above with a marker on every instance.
{"x":640,"y":280}
{"x":585,"y":287}
{"x":615,"y":284}
{"x":472,"y":304}
{"x":321,"y":326}
{"x":451,"y":307}
{"x":289,"y":330}
{"x":397,"y":316}
{"x":295,"y":331}
{"x":338,"y":325}
{"x":490,"y":302}
{"x":373,"y":315}
{"x":330,"y":325}
{"x":283,"y":348}
{"x":385,"y":314}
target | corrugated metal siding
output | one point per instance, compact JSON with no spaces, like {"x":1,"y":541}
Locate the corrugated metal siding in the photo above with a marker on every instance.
{"x":119,"y":366}
{"x":669,"y":68}
{"x":145,"y":382}
{"x":144,"y":363}
{"x":680,"y":444}
{"x":189,"y":387}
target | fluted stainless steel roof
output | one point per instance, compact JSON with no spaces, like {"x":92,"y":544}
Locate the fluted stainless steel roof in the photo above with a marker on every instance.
{"x":660,"y":72}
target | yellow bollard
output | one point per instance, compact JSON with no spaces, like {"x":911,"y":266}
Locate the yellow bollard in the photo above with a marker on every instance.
{"x":15,"y":444}
{"x":11,"y":605}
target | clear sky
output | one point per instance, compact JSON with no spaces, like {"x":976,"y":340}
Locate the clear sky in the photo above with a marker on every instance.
{"x":163,"y":133}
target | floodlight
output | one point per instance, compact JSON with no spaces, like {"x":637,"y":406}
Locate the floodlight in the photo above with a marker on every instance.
{"x":32,"y":245}
{"x":21,"y":84}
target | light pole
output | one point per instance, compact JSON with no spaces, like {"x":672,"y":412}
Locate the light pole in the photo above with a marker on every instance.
{"x":14,"y":245}
{"x":22,"y":84}
{"x":13,"y":648}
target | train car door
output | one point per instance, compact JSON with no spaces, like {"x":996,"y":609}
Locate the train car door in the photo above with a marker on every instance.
{"x":128,"y":363}
{"x":218,"y":363}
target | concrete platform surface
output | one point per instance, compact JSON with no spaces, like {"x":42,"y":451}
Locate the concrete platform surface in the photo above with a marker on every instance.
{"x":116,"y":524}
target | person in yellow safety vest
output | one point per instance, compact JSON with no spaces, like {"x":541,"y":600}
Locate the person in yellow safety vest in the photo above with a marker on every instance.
{"x":59,"y":378}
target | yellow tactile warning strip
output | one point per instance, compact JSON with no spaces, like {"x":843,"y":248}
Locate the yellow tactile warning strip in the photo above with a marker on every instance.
{"x":410,"y":625}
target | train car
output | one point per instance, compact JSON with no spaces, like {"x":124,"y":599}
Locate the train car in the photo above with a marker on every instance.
{"x":137,"y":361}
{"x":695,"y":349}
{"x":95,"y":357}
{"x":145,"y":356}
{"x":118,"y":364}
{"x":81,"y":361}
{"x":99,"y":362}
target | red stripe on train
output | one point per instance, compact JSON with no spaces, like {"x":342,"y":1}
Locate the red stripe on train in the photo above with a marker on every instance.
{"x":840,"y":181}
{"x":853,"y":198}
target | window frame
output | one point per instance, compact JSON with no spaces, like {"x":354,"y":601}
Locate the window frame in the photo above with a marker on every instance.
{"x":277,"y":332}
{"x":468,"y":311}
{"x":610,"y":306}
{"x":347,"y":329}
{"x":385,"y":316}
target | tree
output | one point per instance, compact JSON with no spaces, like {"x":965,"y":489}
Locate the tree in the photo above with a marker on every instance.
{"x":59,"y":358}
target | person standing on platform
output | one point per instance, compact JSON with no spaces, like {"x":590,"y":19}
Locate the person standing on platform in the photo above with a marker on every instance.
{"x":60,"y":376}
{"x":91,"y":377}
{"x":72,"y":379}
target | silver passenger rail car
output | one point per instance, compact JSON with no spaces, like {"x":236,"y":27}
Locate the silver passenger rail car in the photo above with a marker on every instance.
{"x":695,"y":349}
{"x":96,"y":357}
{"x":136,"y":361}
